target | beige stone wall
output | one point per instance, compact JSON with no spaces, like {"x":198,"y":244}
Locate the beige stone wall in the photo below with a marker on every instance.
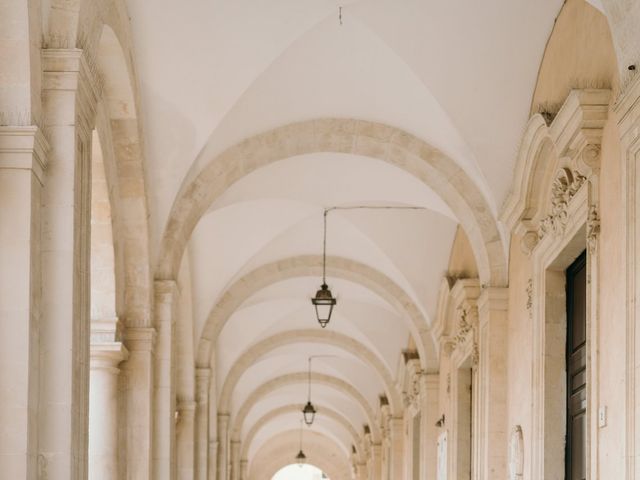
{"x":519,"y":348}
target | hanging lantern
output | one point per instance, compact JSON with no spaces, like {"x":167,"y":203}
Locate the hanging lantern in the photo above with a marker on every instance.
{"x":324,"y":303}
{"x":309,"y":413}
{"x":301,"y":458}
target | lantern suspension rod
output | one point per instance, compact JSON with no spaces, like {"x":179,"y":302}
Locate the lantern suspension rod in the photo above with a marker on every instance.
{"x":354,"y":207}
{"x":301,"y":434}
{"x":311,"y":357}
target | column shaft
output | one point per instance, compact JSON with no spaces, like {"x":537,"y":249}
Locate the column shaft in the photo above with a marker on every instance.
{"x":103,"y":410}
{"x":22,"y":161}
{"x":235,"y":460}
{"x":69,"y":102}
{"x":203,"y":376}
{"x":166,"y":303}
{"x":223,"y":441}
{"x":185,"y":440}
{"x":138,"y":370}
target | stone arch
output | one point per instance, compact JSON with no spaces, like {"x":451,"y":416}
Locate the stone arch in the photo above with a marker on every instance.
{"x":296,"y":408}
{"x":301,"y":377}
{"x":101,"y":30}
{"x":302,"y":265}
{"x":280,"y":450}
{"x":335,"y":135}
{"x":248,"y":358}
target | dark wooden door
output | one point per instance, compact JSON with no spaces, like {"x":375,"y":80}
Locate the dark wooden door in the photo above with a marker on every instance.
{"x":576,"y":453}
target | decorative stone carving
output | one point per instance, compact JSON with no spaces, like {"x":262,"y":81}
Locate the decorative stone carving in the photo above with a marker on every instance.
{"x":464,"y":327}
{"x":529,"y":241}
{"x":591,"y":155}
{"x":475,"y":354}
{"x":530,"y":296}
{"x":516,"y":454}
{"x":565,"y":186}
{"x":593,"y":228}
{"x":412,"y":386}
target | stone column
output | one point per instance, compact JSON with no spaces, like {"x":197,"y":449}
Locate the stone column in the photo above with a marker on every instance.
{"x":244,"y":469}
{"x":185,"y":440}
{"x":69,"y":98}
{"x":103,"y":412}
{"x":235,"y":460}
{"x":203,"y":376}
{"x":22,"y":164}
{"x":223,"y":441}
{"x":166,"y":303}
{"x":213,"y":460}
{"x":492,"y":379}
{"x":396,"y":430}
{"x":139,"y":398}
{"x":375,"y":472}
{"x":361,"y":471}
{"x":429,"y":416}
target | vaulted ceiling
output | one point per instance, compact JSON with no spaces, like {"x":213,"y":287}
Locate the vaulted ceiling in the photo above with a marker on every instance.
{"x":459,"y":76}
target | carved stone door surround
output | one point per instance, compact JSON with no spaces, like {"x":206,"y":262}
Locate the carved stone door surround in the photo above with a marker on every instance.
{"x":554,"y":212}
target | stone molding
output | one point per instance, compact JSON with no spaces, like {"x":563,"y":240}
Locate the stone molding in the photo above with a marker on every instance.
{"x":627,"y":111}
{"x":68,"y":69}
{"x":461,"y":339}
{"x":107,"y":356}
{"x":24,"y":148}
{"x":539,"y":204}
{"x":140,"y":338}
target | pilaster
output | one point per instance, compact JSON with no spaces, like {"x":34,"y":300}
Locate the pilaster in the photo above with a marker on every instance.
{"x":396,"y":431}
{"x":375,"y":472}
{"x":429,"y":400}
{"x":492,"y":383}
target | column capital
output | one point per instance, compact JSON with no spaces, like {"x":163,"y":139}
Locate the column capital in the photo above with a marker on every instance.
{"x":24,"y":148}
{"x":165,"y":287}
{"x":186,"y":405}
{"x":70,"y":69}
{"x":140,"y":338}
{"x":107,"y":355}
